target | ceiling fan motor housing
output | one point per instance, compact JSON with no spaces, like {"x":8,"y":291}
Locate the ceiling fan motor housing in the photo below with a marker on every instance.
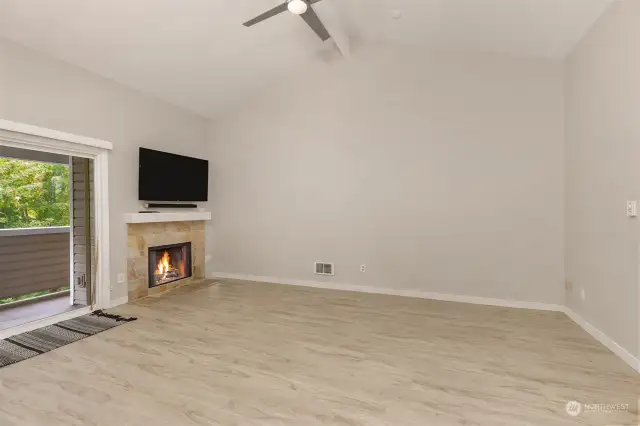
{"x":297,"y":7}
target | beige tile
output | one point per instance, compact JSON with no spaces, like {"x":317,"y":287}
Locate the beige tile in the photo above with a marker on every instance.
{"x":178,"y":227}
{"x":137,"y":268}
{"x":132,"y":249}
{"x":136,"y":246}
{"x":197,"y":240}
{"x":198,"y":271}
{"x":167,"y":238}
{"x":158,"y":289}
{"x":137,"y":293}
{"x":139,"y":284}
{"x":142,"y":245}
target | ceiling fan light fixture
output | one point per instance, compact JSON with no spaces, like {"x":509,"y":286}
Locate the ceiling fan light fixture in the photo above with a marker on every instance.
{"x":297,"y":7}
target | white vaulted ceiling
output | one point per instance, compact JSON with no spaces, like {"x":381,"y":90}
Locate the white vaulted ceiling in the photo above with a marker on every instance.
{"x":196,"y":53}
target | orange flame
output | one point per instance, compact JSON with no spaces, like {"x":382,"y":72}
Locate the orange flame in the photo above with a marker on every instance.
{"x":164,"y":265}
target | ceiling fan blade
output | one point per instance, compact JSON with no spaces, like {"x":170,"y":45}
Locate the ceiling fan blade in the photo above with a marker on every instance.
{"x":313,"y":1}
{"x":316,"y":25}
{"x":268,"y":14}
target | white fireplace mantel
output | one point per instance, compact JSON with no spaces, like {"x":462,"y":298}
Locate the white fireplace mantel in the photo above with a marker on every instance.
{"x":166,"y":217}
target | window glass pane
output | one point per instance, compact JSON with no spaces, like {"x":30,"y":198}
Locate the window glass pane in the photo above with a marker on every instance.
{"x":33,"y":194}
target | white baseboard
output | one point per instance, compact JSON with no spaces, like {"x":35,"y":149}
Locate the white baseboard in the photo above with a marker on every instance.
{"x":608,"y":342}
{"x":396,"y":292}
{"x":120,"y":301}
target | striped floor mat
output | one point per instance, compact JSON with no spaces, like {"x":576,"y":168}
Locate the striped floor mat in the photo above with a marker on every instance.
{"x":26,"y":345}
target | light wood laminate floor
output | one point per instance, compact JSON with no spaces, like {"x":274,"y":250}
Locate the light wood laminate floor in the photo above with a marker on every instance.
{"x":242,"y":353}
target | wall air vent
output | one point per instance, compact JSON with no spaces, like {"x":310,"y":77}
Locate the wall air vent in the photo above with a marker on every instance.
{"x":321,"y":268}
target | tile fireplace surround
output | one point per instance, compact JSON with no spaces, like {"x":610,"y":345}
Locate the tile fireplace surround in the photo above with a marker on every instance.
{"x":141,"y":236}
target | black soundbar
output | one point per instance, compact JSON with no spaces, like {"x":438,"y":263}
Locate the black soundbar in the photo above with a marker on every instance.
{"x":170,"y":206}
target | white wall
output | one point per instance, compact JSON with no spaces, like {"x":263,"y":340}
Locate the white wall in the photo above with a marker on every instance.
{"x":602,"y":172}
{"x":440,"y":172}
{"x":42,"y":91}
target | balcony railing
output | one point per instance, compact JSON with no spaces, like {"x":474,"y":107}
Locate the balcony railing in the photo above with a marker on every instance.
{"x":33,"y":260}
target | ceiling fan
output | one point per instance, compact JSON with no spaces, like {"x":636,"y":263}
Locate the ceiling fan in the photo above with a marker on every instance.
{"x":297,"y":7}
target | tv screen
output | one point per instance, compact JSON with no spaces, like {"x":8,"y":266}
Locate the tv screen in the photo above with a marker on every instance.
{"x":170,"y":177}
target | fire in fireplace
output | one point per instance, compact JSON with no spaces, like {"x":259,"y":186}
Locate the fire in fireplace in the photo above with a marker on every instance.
{"x":169,"y":263}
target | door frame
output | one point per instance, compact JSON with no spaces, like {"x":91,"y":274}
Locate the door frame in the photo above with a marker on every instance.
{"x":19,"y":135}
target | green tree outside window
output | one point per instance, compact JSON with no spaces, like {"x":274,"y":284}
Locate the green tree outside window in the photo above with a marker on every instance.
{"x":33,"y":194}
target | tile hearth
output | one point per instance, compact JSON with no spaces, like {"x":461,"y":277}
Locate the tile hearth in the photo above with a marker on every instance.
{"x":141,"y":236}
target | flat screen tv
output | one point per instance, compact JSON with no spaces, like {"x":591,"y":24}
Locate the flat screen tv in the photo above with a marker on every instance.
{"x":170,"y":177}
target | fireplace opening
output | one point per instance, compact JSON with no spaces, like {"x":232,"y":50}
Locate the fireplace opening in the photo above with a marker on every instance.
{"x":169,"y":263}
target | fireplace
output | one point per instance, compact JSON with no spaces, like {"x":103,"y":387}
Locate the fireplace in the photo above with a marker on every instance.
{"x":169,"y":263}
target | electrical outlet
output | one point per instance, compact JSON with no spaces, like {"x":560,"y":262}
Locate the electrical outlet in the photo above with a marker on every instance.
{"x":632,"y":208}
{"x":121,"y":278}
{"x":583,"y":294}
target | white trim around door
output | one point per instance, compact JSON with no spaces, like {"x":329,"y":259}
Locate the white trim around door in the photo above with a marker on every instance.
{"x":25,"y":136}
